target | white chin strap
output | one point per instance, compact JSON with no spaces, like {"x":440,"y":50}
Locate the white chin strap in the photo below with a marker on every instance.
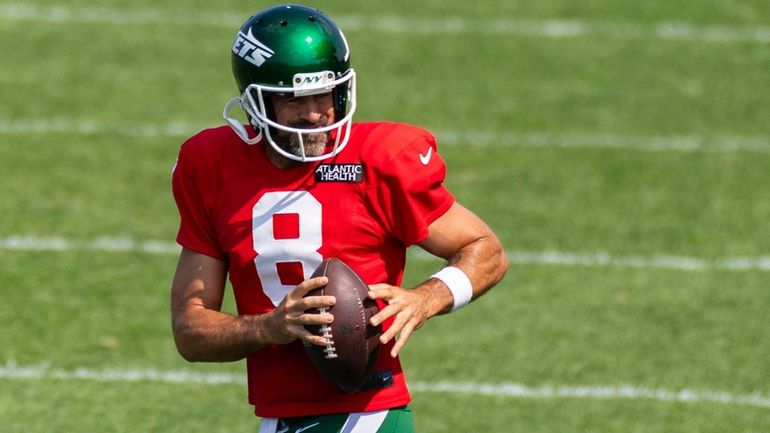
{"x":236,"y":124}
{"x":256,"y":111}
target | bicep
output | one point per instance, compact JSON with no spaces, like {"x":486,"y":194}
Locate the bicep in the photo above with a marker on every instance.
{"x":199,"y":282}
{"x":456,"y":229}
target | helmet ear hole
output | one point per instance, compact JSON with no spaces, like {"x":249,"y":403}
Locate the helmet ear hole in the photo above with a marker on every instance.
{"x":340,"y":100}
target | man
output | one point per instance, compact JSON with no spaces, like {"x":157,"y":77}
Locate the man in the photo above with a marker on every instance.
{"x":265,"y":203}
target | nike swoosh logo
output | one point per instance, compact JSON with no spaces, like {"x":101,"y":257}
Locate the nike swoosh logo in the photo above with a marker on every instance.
{"x":303,"y":428}
{"x":425,"y":159}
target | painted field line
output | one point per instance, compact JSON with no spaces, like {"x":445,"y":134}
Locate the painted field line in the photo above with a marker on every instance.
{"x":34,"y":243}
{"x":593,"y":392}
{"x":553,"y":258}
{"x":181,"y":130}
{"x":62,"y":13}
{"x":11,"y":371}
{"x":90,"y":127}
{"x":681,"y":143}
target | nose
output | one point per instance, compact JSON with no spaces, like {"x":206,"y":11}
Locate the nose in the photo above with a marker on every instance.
{"x":312,"y":110}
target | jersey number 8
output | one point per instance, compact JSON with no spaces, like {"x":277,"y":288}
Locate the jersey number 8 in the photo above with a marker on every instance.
{"x":276,"y":216}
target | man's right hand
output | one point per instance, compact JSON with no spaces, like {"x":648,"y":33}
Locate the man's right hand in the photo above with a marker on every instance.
{"x":287,"y":322}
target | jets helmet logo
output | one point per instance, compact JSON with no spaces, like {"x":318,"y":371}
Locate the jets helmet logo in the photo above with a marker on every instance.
{"x":250,"y":49}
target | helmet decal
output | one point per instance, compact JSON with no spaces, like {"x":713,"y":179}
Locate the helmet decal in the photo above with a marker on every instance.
{"x":250,"y":49}
{"x":313,"y":83}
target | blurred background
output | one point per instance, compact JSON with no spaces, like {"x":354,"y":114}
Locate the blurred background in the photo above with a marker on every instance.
{"x":621,"y":151}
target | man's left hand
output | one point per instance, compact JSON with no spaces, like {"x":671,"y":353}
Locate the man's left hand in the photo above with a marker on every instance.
{"x":410,"y":309}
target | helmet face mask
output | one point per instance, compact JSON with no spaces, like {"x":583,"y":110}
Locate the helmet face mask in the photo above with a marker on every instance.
{"x":295,"y":50}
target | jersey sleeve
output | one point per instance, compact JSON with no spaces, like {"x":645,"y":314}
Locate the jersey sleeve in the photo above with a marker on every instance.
{"x":410,"y":191}
{"x":192,"y":195}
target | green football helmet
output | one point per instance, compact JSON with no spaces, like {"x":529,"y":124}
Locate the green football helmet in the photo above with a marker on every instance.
{"x":298,"y":50}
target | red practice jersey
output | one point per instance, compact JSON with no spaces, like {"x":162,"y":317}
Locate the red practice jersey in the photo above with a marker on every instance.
{"x":274,"y":226}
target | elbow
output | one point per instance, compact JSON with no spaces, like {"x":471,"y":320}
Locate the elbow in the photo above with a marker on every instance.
{"x":495,"y":260}
{"x":186,"y":353}
{"x":185,"y":344}
{"x":502,"y":263}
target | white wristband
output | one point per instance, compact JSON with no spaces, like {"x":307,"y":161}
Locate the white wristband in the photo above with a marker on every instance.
{"x":458,"y":284}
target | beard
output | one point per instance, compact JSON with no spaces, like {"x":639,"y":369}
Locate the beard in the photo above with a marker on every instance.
{"x":314,"y":143}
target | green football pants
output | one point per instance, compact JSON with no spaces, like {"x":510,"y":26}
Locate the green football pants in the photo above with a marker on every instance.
{"x":396,"y":420}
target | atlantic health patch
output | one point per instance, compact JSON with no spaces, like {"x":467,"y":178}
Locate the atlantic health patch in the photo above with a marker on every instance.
{"x":350,"y":173}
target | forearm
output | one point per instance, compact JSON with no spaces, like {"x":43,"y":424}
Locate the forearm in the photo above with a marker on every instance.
{"x":201,"y":331}
{"x":468,"y":244}
{"x":484,"y":262}
{"x":213,"y":336}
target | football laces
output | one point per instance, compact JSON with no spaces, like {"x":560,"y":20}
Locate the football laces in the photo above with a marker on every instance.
{"x":330,"y":352}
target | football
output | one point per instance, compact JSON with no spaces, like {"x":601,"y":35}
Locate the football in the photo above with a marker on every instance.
{"x":353,"y":343}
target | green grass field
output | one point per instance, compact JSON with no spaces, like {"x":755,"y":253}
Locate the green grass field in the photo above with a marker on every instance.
{"x":620,"y":149}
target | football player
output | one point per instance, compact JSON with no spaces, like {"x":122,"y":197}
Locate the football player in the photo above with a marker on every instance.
{"x":263,"y":203}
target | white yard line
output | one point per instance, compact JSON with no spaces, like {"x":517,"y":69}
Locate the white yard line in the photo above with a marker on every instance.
{"x":88,"y":127}
{"x":554,"y":258}
{"x":34,"y":243}
{"x":13,"y":371}
{"x":682,"y":143}
{"x":180,"y":130}
{"x":63,"y":13}
{"x":684,"y":263}
{"x":593,"y":392}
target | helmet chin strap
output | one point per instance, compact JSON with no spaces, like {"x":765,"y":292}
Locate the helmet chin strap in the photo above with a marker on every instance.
{"x":236,"y":125}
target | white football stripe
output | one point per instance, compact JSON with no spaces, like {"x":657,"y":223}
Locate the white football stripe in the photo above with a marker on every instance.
{"x":89,"y":127}
{"x":13,"y":371}
{"x":593,"y":392}
{"x":62,"y":13}
{"x":34,"y":243}
{"x":554,"y":258}
{"x":682,"y":143}
{"x":678,"y":143}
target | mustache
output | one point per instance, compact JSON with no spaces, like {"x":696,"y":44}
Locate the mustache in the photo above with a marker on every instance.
{"x":306,"y":124}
